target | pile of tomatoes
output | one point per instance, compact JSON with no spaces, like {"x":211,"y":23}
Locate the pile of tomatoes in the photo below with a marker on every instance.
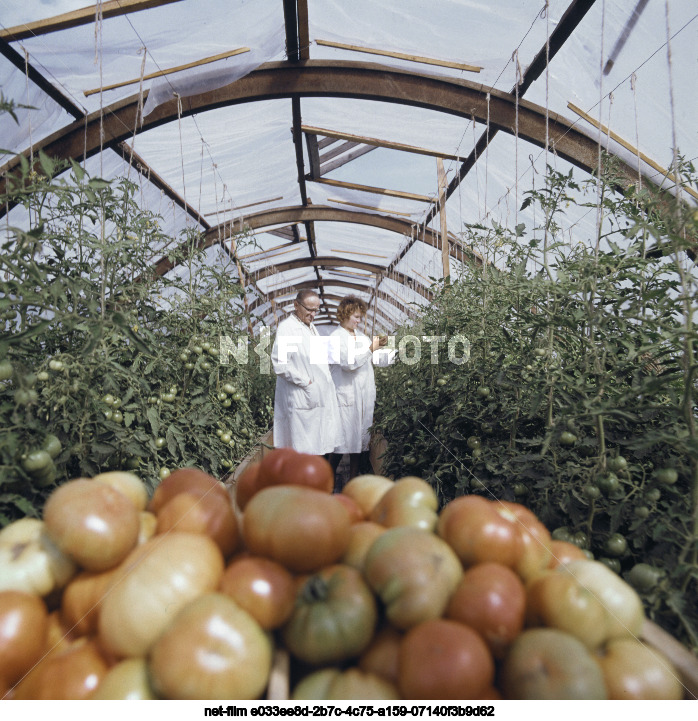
{"x":372,"y":593}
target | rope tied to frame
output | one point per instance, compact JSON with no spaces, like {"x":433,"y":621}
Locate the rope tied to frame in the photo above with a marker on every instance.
{"x":519,"y":80}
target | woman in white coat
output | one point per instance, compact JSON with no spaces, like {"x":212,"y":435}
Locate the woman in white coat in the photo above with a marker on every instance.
{"x":354,"y":380}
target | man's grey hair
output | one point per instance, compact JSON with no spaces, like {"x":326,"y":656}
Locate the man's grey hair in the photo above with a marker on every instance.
{"x":306,"y":293}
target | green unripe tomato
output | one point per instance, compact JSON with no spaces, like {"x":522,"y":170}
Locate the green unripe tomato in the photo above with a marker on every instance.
{"x":36,"y":461}
{"x":643,"y":577}
{"x":567,"y":438}
{"x":483,"y":391}
{"x":667,"y":476}
{"x":653,"y":495}
{"x":591,"y":492}
{"x":42,"y":376}
{"x":160,"y":442}
{"x":108,"y":399}
{"x":474,"y":442}
{"x":228,"y":388}
{"x":562,"y":534}
{"x":607,"y":483}
{"x":615,"y":545}
{"x":617,"y":463}
{"x":163,"y":473}
{"x":612,"y":563}
{"x":52,"y":445}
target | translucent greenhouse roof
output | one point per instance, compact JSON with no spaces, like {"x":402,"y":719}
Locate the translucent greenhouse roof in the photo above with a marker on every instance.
{"x":320,"y":126}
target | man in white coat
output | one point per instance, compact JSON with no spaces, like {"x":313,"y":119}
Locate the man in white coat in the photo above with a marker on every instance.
{"x":306,"y":415}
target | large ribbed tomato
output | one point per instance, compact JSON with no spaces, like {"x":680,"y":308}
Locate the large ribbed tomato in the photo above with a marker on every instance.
{"x":334,"y":618}
{"x":159,"y":577}
{"x":301,"y":528}
{"x":212,"y":649}
{"x":333,"y":684}
{"x":414,"y":573}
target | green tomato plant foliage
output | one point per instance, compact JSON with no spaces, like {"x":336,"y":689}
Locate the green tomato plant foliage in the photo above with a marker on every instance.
{"x":87,"y":326}
{"x":588,"y":348}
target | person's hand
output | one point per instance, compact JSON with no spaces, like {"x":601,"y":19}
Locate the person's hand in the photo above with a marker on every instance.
{"x":378,"y":341}
{"x":383,"y":340}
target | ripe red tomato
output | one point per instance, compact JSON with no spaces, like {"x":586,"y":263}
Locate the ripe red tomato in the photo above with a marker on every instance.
{"x":246,"y":485}
{"x":491,"y":599}
{"x":284,"y":466}
{"x":535,"y":536}
{"x":382,"y":657}
{"x":563,"y":552}
{"x":186,"y":480}
{"x":71,"y":674}
{"x":443,"y":659}
{"x":82,"y":600}
{"x":23,"y":631}
{"x":264,"y":588}
{"x":201,"y":514}
{"x":477,"y":532}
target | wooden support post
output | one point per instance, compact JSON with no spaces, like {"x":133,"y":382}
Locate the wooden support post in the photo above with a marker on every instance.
{"x":375,"y":301}
{"x":443,"y":186}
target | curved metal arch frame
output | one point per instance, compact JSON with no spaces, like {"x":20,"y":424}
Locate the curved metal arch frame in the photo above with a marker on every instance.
{"x":326,"y":78}
{"x":324,"y":282}
{"x":321,"y":78}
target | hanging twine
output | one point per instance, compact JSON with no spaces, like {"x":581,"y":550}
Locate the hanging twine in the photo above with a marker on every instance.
{"x":519,"y":80}
{"x":633,"y":87}
{"x":599,"y":213}
{"x":675,"y":159}
{"x":99,"y":54}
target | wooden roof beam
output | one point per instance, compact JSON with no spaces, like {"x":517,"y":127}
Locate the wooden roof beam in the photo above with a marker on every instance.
{"x":75,"y":18}
{"x":372,"y":189}
{"x":378,"y":143}
{"x":346,"y":158}
{"x":401,"y":56}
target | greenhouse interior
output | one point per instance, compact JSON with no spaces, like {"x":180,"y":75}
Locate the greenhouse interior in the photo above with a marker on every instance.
{"x":501,"y":199}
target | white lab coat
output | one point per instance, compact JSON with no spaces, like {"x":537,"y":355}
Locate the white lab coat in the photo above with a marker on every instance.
{"x":306,"y":417}
{"x":356,"y":388}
